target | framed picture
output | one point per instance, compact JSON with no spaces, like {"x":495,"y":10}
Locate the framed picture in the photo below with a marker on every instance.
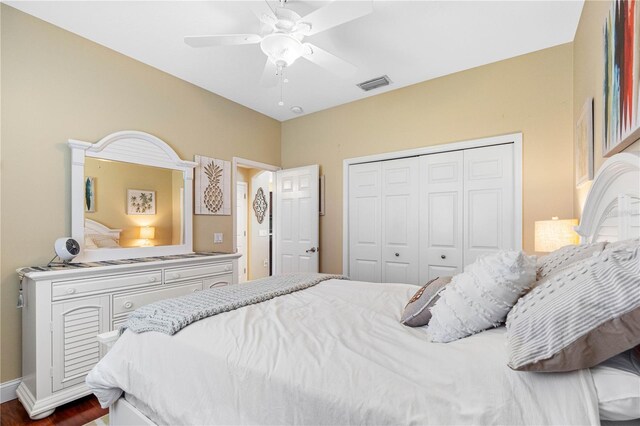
{"x":140,"y":201}
{"x":621,"y":112}
{"x":89,"y":194}
{"x":213,"y":186}
{"x":583,"y":149}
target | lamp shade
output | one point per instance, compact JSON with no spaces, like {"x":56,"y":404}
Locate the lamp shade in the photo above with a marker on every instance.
{"x":552,"y":234}
{"x":147,"y":232}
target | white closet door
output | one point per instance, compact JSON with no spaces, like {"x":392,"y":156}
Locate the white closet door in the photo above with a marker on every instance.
{"x":488,"y":201}
{"x":441,"y":211}
{"x":400,"y":227}
{"x":297,"y":218}
{"x":365,"y":235}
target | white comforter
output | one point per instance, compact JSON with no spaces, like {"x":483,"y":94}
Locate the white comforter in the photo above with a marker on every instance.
{"x":333,"y":354}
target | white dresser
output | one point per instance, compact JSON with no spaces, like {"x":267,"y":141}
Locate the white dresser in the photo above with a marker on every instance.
{"x":65,"y":309}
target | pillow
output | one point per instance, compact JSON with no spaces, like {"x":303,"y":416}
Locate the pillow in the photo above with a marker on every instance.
{"x":566,"y":256}
{"x":623,"y":244}
{"x":104,"y":241}
{"x":88,"y":243}
{"x":417,"y":312}
{"x":481,"y":297}
{"x":580,"y":317}
{"x":617,"y":383}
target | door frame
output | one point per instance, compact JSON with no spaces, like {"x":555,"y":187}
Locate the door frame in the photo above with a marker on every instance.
{"x":235,"y":163}
{"x":512,"y":138}
{"x":246,"y":232}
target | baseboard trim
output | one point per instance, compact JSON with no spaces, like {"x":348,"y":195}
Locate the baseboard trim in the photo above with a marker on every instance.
{"x":8,"y":390}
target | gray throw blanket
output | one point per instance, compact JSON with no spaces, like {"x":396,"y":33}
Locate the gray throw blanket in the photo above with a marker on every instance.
{"x":171,"y":315}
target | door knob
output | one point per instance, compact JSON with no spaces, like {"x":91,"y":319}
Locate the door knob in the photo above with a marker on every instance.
{"x":397,"y":254}
{"x":311,"y":250}
{"x":443,"y":257}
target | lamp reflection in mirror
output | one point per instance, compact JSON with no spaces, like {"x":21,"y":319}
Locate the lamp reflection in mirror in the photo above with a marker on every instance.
{"x":552,"y":234}
{"x":147,"y":233}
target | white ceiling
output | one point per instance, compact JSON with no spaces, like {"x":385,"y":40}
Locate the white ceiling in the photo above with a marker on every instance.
{"x":410,"y":41}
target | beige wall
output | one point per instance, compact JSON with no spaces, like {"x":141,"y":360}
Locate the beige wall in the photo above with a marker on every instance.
{"x":530,"y":93}
{"x":588,"y":75}
{"x":56,"y":86}
{"x":113,"y":179}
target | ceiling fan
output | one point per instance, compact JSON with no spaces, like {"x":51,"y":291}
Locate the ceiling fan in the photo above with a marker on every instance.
{"x":283,"y":34}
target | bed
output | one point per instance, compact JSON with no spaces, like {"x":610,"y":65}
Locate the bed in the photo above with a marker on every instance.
{"x":336,"y":353}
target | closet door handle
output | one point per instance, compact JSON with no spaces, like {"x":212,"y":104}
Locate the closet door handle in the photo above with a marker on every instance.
{"x":311,"y":250}
{"x":397,"y":254}
{"x":443,"y":257}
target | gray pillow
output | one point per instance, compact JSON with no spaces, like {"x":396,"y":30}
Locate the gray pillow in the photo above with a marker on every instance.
{"x":417,"y":312}
{"x":564,"y":257}
{"x":580,"y":317}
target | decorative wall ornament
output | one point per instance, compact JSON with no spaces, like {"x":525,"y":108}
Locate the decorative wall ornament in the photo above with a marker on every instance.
{"x":89,"y":194}
{"x":584,"y":144}
{"x":260,"y":205}
{"x":213,"y":186}
{"x":141,"y":201}
{"x":621,"y":91}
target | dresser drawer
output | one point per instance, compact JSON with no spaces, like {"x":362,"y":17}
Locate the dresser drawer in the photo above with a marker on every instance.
{"x":218,"y":281}
{"x":179,"y":274}
{"x":74,"y":288}
{"x":126,"y":303}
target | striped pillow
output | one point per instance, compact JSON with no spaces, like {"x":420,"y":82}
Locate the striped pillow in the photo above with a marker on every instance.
{"x":580,"y":317}
{"x":564,"y":257}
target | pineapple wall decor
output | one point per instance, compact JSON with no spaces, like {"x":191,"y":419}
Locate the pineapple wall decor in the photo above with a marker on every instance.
{"x":213,"y":186}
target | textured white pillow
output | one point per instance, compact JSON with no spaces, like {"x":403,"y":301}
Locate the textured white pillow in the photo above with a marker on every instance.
{"x":481,"y":297}
{"x":88,"y":243}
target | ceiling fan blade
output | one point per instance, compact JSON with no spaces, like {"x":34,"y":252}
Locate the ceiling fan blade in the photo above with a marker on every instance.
{"x":336,"y":13}
{"x":328,"y":61}
{"x":269,"y":75}
{"x":222,"y":40}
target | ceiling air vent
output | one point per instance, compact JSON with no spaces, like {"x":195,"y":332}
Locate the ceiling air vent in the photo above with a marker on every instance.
{"x":374,"y":83}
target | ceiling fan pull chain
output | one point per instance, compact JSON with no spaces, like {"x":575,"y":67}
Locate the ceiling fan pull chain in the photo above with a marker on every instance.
{"x":281,"y":72}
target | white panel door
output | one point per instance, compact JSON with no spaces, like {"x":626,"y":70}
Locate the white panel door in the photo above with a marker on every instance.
{"x":441,"y":211}
{"x":488,"y":201}
{"x":400,"y":227}
{"x":297,"y":218}
{"x":241,"y":229}
{"x":365,"y":234}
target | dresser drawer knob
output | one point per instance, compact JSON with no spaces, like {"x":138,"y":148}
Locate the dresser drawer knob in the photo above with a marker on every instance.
{"x":175,"y":276}
{"x":227,"y":268}
{"x":71,"y":290}
{"x":128,"y":305}
{"x":152,"y":279}
{"x":196,"y":289}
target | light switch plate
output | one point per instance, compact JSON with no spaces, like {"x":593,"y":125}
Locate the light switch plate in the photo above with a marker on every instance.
{"x":265,"y":263}
{"x":263,"y":233}
{"x":217,"y":238}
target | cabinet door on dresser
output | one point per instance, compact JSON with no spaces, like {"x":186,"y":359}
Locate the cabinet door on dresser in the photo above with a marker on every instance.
{"x":488,"y":201}
{"x":441,"y":211}
{"x":76,"y":323}
{"x":400,"y":213}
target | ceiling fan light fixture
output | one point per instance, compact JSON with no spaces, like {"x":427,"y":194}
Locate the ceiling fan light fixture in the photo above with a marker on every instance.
{"x":282,"y":49}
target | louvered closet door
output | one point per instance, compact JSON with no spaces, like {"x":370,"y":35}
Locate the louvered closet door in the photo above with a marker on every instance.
{"x":365,"y":246}
{"x":75,"y":348}
{"x":441,"y":211}
{"x":488,"y":201}
{"x":400,"y":227}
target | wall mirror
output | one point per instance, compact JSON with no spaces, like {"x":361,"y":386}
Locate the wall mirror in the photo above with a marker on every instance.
{"x":132,"y":197}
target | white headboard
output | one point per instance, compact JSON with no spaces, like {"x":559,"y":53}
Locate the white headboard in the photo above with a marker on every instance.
{"x":612,"y":209}
{"x":93,"y":227}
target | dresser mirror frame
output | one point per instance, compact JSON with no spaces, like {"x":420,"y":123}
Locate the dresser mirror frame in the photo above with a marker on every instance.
{"x":137,"y":148}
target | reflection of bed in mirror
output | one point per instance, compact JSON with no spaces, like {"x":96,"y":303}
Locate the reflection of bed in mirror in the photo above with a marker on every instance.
{"x":97,"y":235}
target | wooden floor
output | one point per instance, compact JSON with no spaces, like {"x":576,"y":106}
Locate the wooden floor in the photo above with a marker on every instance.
{"x":76,"y":413}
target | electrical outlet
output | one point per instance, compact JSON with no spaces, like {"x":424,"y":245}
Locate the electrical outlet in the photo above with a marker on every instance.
{"x":217,"y":238}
